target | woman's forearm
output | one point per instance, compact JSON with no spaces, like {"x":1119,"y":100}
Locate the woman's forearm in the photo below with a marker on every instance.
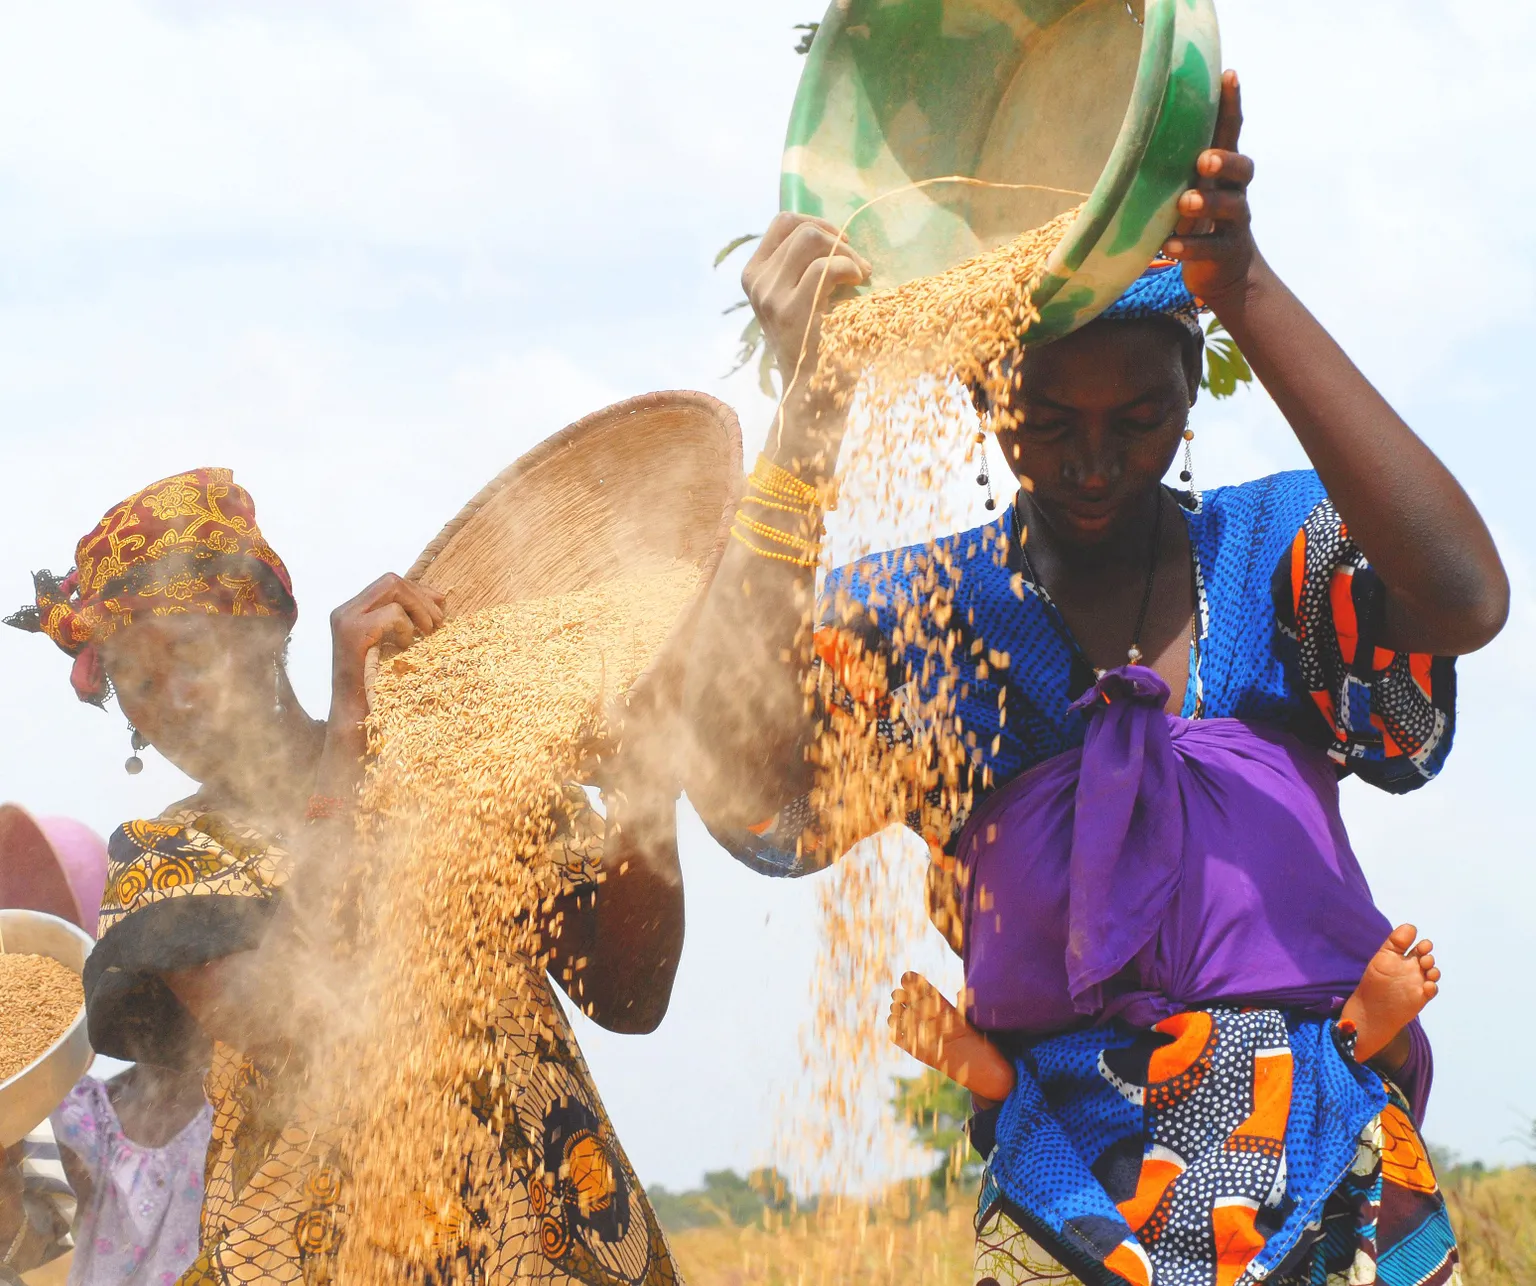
{"x":617,"y":949}
{"x":745,"y":697}
{"x":745,"y":693}
{"x":1446,"y":588}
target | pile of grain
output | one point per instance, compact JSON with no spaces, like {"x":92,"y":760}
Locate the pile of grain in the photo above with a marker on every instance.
{"x":476,"y":731}
{"x":39,"y":998}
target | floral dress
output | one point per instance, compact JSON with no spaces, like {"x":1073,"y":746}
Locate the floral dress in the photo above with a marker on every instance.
{"x":141,"y":1228}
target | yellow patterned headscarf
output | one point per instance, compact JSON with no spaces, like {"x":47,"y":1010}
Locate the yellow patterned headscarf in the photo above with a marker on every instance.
{"x":185,"y":544}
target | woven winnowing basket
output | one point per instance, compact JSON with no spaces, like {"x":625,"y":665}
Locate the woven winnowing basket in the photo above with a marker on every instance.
{"x":633,"y":487}
{"x":629,"y":487}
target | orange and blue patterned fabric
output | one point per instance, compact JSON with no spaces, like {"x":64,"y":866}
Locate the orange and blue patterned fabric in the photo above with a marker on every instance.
{"x":185,"y":544}
{"x":1289,"y":614}
{"x":1109,"y":1162}
{"x":1221,"y":1146}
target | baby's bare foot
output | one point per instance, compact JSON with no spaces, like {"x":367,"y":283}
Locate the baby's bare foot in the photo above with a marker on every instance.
{"x":922,"y":1021}
{"x":934,"y":1032}
{"x":1399,"y":981}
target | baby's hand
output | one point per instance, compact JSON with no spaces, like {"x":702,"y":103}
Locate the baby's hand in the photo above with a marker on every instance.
{"x":922,"y":1021}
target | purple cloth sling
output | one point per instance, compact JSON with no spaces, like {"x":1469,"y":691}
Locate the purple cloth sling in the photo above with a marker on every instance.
{"x":1168,"y":864}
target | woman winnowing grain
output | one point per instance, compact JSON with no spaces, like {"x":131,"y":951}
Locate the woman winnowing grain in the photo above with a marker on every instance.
{"x":1122,"y":740}
{"x":179,"y":606}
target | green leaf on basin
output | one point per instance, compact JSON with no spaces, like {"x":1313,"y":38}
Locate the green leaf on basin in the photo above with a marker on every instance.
{"x":1057,"y":316}
{"x":1188,"y":113}
{"x":733,"y":245}
{"x":1225,"y":365}
{"x":1044,"y":12}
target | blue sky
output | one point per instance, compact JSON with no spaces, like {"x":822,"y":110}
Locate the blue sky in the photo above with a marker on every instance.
{"x":367,"y":253}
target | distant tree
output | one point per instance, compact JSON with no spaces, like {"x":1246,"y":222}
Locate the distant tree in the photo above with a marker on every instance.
{"x":936,"y":1110}
{"x":727,"y":1198}
{"x":1451,"y":1167}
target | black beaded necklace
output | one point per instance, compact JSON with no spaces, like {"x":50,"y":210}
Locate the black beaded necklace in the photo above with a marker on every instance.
{"x":1134,"y":654}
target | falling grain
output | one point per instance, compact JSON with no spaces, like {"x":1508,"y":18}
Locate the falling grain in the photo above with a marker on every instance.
{"x":472,"y":837}
{"x":962,"y":323}
{"x":905,"y":366}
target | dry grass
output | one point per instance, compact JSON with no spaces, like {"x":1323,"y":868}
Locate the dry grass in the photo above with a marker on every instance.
{"x":1495,"y":1217}
{"x":850,"y":1245}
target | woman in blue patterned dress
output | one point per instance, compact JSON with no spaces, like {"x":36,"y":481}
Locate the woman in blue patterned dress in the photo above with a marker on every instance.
{"x":1321,"y":610}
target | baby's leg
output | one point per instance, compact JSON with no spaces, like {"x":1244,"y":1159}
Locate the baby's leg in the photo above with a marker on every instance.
{"x":1399,"y":981}
{"x":933,"y":1031}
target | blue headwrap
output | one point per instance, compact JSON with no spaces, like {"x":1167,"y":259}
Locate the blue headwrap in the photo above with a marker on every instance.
{"x":1159,"y":292}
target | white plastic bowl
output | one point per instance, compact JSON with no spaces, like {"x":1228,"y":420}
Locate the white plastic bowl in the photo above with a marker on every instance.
{"x":29,"y":1096}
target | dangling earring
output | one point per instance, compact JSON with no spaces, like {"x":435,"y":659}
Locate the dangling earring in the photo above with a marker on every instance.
{"x":134,"y":766}
{"x":1187,"y":476}
{"x":277,"y":687}
{"x":984,"y":478}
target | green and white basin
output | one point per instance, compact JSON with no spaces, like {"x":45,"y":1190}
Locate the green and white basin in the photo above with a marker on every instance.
{"x":1107,"y":98}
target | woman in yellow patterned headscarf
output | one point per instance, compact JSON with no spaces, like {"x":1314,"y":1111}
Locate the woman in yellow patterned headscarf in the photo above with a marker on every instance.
{"x":179,"y":606}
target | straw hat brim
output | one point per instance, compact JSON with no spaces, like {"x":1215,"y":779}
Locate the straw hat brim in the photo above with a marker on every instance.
{"x":634,"y":487}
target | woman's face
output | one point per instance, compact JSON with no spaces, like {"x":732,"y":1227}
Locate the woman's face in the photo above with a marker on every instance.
{"x":1103,"y":414}
{"x":203,"y":690}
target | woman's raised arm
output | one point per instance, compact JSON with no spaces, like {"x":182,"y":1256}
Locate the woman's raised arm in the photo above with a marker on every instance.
{"x":745,"y":694}
{"x":1446,"y":590}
